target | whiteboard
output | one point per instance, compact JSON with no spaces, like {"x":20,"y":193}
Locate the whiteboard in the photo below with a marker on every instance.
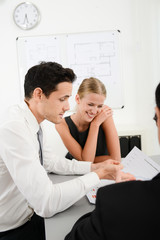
{"x":94,"y":54}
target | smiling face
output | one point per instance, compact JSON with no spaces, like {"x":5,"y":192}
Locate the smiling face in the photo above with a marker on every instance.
{"x":51,"y":108}
{"x":89,"y":106}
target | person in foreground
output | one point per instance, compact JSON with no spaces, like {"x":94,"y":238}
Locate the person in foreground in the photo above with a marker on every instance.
{"x":125,"y":211}
{"x":91,"y":129}
{"x":26,"y":193}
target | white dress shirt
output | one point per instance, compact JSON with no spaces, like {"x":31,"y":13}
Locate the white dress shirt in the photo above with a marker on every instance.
{"x":24,"y":184}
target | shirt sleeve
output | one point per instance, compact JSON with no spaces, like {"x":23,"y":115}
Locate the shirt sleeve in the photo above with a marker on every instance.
{"x":63,"y":166}
{"x":22,"y":161}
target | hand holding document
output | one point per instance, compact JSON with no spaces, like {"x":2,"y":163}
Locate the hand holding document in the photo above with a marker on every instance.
{"x":136,"y":163}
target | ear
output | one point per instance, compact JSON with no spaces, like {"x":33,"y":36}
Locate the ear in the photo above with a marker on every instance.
{"x":37,"y":94}
{"x":157,"y":110}
{"x":77,"y":98}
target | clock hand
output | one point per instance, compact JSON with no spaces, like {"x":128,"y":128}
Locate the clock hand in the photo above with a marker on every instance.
{"x":25,"y":19}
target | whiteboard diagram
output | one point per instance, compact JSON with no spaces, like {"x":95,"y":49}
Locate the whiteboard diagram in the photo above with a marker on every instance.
{"x":33,"y":50}
{"x":97,"y":58}
{"x":95,"y":54}
{"x":41,"y":51}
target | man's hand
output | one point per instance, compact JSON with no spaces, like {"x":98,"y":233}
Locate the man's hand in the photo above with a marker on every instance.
{"x":123,"y":177}
{"x":111,"y":169}
{"x":108,"y":169}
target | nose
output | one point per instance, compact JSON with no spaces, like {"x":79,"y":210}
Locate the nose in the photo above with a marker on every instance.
{"x":95,"y":110}
{"x":66,"y":106}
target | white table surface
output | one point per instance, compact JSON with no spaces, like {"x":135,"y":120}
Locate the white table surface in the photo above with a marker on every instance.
{"x":59,"y":225}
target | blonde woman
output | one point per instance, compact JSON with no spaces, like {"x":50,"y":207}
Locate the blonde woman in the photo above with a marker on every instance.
{"x":90,"y":133}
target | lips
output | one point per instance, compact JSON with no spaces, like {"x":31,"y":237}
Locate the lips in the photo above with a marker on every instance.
{"x":61,"y":115}
{"x":90,"y":115}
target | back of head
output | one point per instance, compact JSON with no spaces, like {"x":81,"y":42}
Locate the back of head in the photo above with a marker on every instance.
{"x":46,"y":75}
{"x":157,"y":96}
{"x":91,"y":85}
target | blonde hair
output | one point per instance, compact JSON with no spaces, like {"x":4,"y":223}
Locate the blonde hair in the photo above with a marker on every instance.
{"x":91,"y":85}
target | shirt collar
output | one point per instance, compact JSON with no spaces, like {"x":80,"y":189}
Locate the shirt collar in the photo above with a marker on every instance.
{"x":30,"y":118}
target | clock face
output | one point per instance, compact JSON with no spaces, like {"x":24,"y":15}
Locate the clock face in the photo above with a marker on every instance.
{"x":26,"y":15}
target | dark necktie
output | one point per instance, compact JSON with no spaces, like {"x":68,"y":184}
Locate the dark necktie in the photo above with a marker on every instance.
{"x":40,"y":140}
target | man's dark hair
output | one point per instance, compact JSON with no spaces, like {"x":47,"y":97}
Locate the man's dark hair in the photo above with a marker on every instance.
{"x":46,"y":75}
{"x":157,"y":95}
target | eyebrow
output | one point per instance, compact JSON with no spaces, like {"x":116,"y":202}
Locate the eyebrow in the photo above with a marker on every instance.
{"x":101,"y":104}
{"x":66,"y":96}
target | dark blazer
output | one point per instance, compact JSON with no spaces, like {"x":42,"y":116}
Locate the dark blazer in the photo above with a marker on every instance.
{"x":124,"y":211}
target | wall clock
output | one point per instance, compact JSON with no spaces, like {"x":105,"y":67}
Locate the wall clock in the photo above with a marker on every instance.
{"x":26,"y":15}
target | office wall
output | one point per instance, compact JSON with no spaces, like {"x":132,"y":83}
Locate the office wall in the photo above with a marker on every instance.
{"x":138,"y":22}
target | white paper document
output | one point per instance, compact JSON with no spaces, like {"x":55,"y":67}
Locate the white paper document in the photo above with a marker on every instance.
{"x":136,"y":163}
{"x":140,"y":165}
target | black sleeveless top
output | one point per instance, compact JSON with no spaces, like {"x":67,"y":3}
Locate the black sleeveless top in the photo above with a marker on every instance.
{"x":81,"y":138}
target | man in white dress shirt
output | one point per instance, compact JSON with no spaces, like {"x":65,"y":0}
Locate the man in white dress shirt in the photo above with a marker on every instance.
{"x":26,"y":193}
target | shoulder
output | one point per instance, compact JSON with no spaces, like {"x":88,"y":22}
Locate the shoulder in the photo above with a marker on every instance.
{"x":61,"y":125}
{"x":116,"y":197}
{"x":14,"y":130}
{"x":115,"y":189}
{"x":14,"y":117}
{"x":126,"y":191}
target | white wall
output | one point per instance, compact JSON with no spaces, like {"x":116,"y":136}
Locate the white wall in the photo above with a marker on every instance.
{"x":138,"y":22}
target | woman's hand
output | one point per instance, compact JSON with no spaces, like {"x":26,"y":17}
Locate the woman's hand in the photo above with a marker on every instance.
{"x":104,"y":113}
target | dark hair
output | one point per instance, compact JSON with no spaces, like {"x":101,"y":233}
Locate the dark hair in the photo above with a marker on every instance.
{"x":157,"y":95}
{"x":46,"y":75}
